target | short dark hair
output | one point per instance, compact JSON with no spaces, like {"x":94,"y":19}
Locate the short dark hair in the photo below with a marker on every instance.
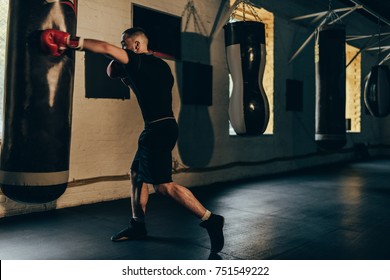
{"x":135,"y":30}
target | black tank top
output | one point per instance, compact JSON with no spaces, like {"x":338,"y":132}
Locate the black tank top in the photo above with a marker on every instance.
{"x":151,"y":80}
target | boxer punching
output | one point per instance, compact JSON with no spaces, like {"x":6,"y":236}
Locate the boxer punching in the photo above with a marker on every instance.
{"x":151,"y":80}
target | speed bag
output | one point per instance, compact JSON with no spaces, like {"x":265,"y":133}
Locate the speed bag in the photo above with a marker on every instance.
{"x":245,"y":53}
{"x":34,"y":164}
{"x":377,"y":91}
{"x":330,"y":75}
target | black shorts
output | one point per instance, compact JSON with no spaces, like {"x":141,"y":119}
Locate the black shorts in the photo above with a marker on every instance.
{"x":153,"y":159}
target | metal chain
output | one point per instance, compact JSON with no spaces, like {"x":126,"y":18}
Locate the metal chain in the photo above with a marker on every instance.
{"x":254,"y":13}
{"x":186,"y":10}
{"x":191,"y":11}
{"x":247,"y":8}
{"x":331,"y":15}
{"x":243,"y":10}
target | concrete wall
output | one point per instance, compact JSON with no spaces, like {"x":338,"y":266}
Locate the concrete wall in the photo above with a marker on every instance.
{"x":105,"y":132}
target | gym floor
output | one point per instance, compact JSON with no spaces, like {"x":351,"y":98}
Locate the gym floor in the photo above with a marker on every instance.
{"x":328,"y":213}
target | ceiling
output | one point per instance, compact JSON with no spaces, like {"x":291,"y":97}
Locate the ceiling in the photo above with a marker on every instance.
{"x":378,"y":7}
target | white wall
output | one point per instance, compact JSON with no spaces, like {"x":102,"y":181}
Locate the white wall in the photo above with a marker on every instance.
{"x":105,"y":132}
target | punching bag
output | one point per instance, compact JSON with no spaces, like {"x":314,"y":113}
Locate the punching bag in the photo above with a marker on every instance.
{"x":245,"y":53}
{"x":377,"y":91}
{"x":330,"y":75}
{"x":34,"y":163}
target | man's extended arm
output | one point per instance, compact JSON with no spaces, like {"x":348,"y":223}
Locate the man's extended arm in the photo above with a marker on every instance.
{"x":56,"y":42}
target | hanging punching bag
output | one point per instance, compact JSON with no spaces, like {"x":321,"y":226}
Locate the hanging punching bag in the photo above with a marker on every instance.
{"x":377,"y":91}
{"x":330,"y":75}
{"x":245,"y":52}
{"x":34,"y":163}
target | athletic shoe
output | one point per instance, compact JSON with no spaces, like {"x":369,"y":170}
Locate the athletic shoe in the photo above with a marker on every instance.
{"x":214,"y":226}
{"x":135,"y":231}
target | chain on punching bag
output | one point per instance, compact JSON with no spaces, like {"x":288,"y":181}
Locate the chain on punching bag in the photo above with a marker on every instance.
{"x":245,"y":52}
{"x":330,"y":130}
{"x":377,"y":91}
{"x":37,"y":104}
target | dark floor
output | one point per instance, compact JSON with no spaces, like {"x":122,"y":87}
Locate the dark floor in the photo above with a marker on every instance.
{"x":337,"y":212}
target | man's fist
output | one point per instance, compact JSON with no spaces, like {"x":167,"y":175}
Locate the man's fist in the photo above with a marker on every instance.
{"x":54,"y":41}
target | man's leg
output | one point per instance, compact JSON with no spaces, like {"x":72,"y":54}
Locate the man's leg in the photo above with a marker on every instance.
{"x":183,"y":196}
{"x":139,"y":199}
{"x":212,"y":222}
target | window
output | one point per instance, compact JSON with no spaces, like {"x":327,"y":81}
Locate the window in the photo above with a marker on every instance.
{"x":268,"y":79}
{"x":353,"y":89}
{"x":3,"y":37}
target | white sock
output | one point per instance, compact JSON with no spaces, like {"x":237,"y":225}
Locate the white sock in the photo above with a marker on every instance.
{"x":206,"y":215}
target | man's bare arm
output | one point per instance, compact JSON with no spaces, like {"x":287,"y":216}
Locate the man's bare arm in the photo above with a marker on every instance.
{"x":101,"y":47}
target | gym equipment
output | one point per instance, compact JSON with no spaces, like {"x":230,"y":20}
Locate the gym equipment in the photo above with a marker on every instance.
{"x":377,"y":91}
{"x":34,"y":162}
{"x":245,"y":52}
{"x":330,"y":129}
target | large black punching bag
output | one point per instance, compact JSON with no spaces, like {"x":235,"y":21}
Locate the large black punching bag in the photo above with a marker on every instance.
{"x":245,"y":53}
{"x":377,"y":91}
{"x":37,"y":104}
{"x":330,"y":129}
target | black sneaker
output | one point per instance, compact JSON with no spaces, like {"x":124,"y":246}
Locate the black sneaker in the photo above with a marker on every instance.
{"x":214,"y":226}
{"x":136,"y":230}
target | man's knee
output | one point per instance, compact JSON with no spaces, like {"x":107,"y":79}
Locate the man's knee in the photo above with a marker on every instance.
{"x":164,"y":188}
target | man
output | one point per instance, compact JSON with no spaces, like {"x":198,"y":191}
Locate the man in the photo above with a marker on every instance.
{"x":151,"y":80}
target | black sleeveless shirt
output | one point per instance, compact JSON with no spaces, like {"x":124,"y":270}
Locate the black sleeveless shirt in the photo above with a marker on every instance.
{"x":152,"y":81}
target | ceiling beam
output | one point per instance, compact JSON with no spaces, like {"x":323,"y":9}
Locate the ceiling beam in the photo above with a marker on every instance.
{"x":371,"y":12}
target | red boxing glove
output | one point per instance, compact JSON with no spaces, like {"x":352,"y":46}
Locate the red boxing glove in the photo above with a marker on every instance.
{"x":115,"y":70}
{"x":54,"y":41}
